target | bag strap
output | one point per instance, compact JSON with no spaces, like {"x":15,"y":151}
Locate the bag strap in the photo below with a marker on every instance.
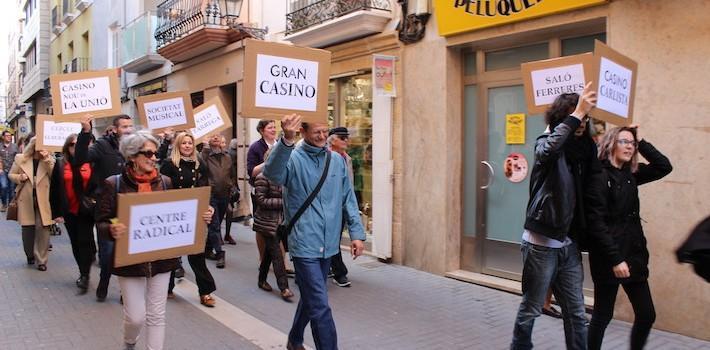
{"x":312,"y":196}
{"x":118,"y":184}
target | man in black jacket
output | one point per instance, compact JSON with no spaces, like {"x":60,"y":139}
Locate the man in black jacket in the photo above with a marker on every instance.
{"x":107,"y":161}
{"x":554,"y":220}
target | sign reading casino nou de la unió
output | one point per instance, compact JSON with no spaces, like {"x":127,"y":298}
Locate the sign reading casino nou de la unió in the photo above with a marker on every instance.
{"x":283,"y":79}
{"x":615,"y":82}
{"x":161,"y":225}
{"x":210,"y":117}
{"x":92,"y":92}
{"x":545,"y":80}
{"x":52,"y":135}
{"x":166,"y":110}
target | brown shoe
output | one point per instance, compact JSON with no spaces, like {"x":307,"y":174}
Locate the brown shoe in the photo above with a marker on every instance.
{"x":265,"y":286}
{"x":230,"y":240}
{"x":207,"y":300}
{"x":286,"y":294}
{"x":42,"y":267}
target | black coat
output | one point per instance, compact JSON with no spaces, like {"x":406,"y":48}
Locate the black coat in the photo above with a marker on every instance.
{"x":58,"y":193}
{"x":696,"y":249}
{"x":615,"y":225}
{"x":103,"y":154}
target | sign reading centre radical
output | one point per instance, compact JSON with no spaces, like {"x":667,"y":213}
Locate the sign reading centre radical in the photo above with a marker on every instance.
{"x":282,"y":79}
{"x":166,"y":110}
{"x":161,"y":225}
{"x":210,"y":117}
{"x":76,"y":94}
{"x":547,"y":79}
{"x":51,"y":135}
{"x":615,"y":81}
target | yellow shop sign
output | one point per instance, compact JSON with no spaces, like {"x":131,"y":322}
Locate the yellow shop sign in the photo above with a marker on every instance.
{"x":458,"y":16}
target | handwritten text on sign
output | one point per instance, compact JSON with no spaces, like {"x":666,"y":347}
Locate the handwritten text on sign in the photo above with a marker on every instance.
{"x":85,"y":95}
{"x":614,"y":88}
{"x":286,"y":83}
{"x":165,"y":113}
{"x":162,"y":226}
{"x":552,"y":82}
{"x":206,"y":121}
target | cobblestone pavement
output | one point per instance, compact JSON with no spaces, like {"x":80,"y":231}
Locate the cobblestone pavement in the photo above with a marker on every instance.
{"x":387,"y":307}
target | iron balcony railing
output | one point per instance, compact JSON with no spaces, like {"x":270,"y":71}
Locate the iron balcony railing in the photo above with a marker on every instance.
{"x":308,"y":13}
{"x":137,"y":38}
{"x":78,"y":64}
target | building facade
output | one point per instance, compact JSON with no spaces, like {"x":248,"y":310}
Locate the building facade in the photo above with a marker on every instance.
{"x":13,"y":87}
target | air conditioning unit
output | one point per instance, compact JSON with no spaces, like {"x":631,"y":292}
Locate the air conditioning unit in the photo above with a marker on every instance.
{"x":69,"y":17}
{"x":81,"y":5}
{"x":58,"y":28}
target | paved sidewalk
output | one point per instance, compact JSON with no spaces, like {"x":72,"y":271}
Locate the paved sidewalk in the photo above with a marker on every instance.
{"x":387,"y":307}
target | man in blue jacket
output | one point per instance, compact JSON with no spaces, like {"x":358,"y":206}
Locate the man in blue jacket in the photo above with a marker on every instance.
{"x":315,"y":237}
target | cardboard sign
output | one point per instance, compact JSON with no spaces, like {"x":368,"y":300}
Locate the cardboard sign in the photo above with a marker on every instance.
{"x":615,"y":81}
{"x":210,"y":117}
{"x":76,"y":94}
{"x":515,"y":129}
{"x":283,"y":79}
{"x":161,"y":225}
{"x":167,"y":110}
{"x":52,"y":135}
{"x":545,"y":80}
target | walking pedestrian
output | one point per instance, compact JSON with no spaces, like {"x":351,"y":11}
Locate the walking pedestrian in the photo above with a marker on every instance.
{"x":8,"y":151}
{"x":564,"y":157}
{"x":107,"y":161}
{"x":144,"y":285}
{"x":221,"y":174}
{"x":255,"y":156}
{"x":32,"y":172}
{"x":338,"y":139}
{"x":72,"y":203}
{"x":267,"y":218}
{"x":315,"y":235}
{"x":618,"y":255}
{"x":185,"y":171}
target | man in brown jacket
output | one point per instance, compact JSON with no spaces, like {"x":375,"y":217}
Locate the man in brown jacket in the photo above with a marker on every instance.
{"x":221,"y":171}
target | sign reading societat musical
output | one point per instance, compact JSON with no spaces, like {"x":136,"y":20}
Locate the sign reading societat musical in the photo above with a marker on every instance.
{"x":615,"y":82}
{"x":210,"y":117}
{"x":166,"y":110}
{"x":282,"y":79}
{"x":545,"y":80}
{"x":93,"y":92}
{"x":52,"y":135}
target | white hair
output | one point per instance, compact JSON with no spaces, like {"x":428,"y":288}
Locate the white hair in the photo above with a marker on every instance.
{"x":132,"y":144}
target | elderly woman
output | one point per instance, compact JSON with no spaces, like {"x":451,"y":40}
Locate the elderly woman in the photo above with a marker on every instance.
{"x":144,"y":285}
{"x":32,"y":172}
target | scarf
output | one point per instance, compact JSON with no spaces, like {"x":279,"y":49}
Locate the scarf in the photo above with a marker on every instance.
{"x":143,"y":180}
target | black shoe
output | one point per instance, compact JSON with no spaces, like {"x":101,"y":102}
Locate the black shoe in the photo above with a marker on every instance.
{"x":30,"y":260}
{"x":342,"y":281}
{"x":210,"y":255}
{"x":179,"y":272}
{"x":102,"y":290}
{"x":83,"y":282}
{"x":230,"y":240}
{"x":220,"y":260}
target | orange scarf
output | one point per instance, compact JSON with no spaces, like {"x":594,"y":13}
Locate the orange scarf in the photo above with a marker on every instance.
{"x":144,"y":180}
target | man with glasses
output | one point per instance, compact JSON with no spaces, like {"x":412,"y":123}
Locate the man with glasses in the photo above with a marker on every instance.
{"x":8,"y":150}
{"x":338,"y":140}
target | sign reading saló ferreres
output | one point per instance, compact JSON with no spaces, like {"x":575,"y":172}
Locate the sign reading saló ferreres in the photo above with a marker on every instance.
{"x":93,"y":92}
{"x":545,"y":80}
{"x":458,"y":16}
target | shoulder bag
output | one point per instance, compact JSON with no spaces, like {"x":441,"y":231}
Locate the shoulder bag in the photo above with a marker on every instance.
{"x":12,"y":206}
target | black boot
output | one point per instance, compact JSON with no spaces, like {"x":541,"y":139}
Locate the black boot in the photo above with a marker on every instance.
{"x":83,"y":282}
{"x":102,"y":290}
{"x":220,"y":260}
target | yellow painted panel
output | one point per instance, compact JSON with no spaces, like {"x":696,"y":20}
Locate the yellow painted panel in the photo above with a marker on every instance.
{"x":458,"y":16}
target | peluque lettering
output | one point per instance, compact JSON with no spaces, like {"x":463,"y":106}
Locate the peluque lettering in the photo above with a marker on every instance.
{"x":492,"y":8}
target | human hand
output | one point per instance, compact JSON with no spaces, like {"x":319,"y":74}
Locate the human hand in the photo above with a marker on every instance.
{"x":59,"y":220}
{"x":85,"y":121}
{"x":44,"y":154}
{"x":23,"y":177}
{"x":118,"y":230}
{"x":587,"y":101}
{"x":638,"y":132}
{"x":290,"y":124}
{"x":356,"y":248}
{"x":621,"y":270}
{"x":207,"y":215}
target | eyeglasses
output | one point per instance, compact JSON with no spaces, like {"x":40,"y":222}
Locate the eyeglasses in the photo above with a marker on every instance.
{"x":148,"y":154}
{"x":625,"y":142}
{"x":343,"y":137}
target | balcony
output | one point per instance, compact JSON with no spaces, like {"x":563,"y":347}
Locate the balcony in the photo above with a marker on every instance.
{"x":82,"y":5}
{"x":326,"y":22}
{"x":77,"y":64}
{"x":57,"y":25}
{"x":68,"y":14}
{"x":138,"y":45}
{"x":189,"y":28}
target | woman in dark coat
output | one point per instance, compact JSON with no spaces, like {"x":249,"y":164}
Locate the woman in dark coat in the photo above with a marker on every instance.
{"x":71,"y":205}
{"x":618,"y":254}
{"x":267,"y":218}
{"x":185,"y":171}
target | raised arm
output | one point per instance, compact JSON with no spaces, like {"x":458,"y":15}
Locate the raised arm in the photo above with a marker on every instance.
{"x":276,"y":167}
{"x":82,"y":152}
{"x":658,"y":164}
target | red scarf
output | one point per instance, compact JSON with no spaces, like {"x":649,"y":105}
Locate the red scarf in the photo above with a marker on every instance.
{"x":143,"y":180}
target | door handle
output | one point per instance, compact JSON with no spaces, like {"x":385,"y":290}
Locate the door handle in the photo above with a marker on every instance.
{"x":491,"y":174}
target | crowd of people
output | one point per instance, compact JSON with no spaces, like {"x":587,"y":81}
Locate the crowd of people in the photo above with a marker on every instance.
{"x":583,"y":197}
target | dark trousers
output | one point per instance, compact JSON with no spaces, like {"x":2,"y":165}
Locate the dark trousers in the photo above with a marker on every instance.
{"x":105,"y":260}
{"x":81,"y":236}
{"x":337,"y":266}
{"x":604,"y":299}
{"x":214,"y":230}
{"x":311,"y":275}
{"x":272,"y":254}
{"x":203,"y":277}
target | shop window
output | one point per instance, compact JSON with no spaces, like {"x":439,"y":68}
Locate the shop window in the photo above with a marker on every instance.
{"x":582,"y":44}
{"x":512,"y":58}
{"x":469,"y":63}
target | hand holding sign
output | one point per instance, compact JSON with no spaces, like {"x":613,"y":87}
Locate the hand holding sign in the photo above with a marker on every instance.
{"x":86,"y":121}
{"x":587,"y":101}
{"x":118,"y":230}
{"x":207,"y":216}
{"x":290,"y":124}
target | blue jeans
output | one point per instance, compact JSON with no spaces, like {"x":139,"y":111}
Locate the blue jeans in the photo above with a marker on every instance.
{"x":311,"y":276}
{"x":214,"y":230}
{"x":105,"y":258}
{"x":7,"y":188}
{"x":561,"y":269}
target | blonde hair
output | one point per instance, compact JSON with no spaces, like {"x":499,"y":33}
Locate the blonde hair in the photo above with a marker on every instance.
{"x":608,"y":145}
{"x":175,"y":155}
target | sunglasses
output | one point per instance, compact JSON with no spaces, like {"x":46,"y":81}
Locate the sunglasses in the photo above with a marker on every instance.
{"x":148,"y":154}
{"x":343,"y":137}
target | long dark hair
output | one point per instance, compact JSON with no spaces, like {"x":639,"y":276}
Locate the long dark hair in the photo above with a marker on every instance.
{"x":560,"y":109}
{"x":76,"y":179}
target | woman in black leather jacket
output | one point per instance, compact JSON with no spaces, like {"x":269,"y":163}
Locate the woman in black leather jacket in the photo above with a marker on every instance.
{"x":618,"y":254}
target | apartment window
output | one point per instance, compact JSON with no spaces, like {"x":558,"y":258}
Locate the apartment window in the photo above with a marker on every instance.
{"x":114,"y":38}
{"x":31,"y":58}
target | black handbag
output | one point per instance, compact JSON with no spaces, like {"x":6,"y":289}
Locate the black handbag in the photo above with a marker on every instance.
{"x":87,"y":205}
{"x":284,"y":230}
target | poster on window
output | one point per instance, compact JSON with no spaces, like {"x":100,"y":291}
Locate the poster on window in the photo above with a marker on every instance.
{"x":166,"y":110}
{"x":282,"y":79}
{"x":383,"y":75}
{"x":52,"y":135}
{"x":210,"y":118}
{"x":515,"y":129}
{"x":92,"y":92}
{"x":161,"y":225}
{"x":515,"y":167}
{"x":615,"y":82}
{"x":545,"y":80}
